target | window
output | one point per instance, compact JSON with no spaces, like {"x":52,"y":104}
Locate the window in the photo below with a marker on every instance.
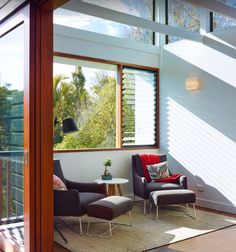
{"x":138,"y":107}
{"x":221,"y":21}
{"x":140,"y":8}
{"x":85,"y":91}
{"x":183,"y":15}
{"x":89,"y":92}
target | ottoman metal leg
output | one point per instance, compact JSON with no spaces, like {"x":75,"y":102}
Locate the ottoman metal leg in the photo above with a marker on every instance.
{"x":150,"y":208}
{"x":144,"y":206}
{"x":109,"y":224}
{"x":194,"y":210}
{"x":109,"y":227}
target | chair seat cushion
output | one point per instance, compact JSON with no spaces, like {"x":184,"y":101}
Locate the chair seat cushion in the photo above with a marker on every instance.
{"x":156,"y":186}
{"x":165,"y":197}
{"x":88,"y":197}
{"x":110,"y":207}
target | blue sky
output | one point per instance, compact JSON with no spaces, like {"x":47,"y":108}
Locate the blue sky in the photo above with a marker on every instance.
{"x":12,"y":59}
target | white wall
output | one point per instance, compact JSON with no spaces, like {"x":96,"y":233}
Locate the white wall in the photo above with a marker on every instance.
{"x":95,"y":45}
{"x":198,"y":129}
{"x":88,"y":166}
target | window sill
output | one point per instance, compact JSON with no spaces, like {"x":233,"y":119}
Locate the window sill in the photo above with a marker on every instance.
{"x":108,"y":149}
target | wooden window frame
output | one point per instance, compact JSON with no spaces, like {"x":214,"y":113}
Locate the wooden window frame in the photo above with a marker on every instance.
{"x":120,"y":66}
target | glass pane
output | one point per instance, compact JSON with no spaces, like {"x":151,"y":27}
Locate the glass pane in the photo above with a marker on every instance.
{"x":221,"y":21}
{"x":138,"y":107}
{"x":86,"y":92}
{"x":140,"y":8}
{"x":12,"y":129}
{"x":183,"y":15}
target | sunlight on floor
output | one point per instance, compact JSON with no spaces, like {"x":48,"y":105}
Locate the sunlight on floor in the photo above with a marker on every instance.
{"x":179,"y":233}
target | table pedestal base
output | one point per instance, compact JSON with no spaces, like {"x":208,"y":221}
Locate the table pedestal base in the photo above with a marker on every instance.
{"x":112,"y":189}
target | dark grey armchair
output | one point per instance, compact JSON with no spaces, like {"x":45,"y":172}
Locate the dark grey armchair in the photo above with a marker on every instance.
{"x":142,"y":188}
{"x":75,"y":200}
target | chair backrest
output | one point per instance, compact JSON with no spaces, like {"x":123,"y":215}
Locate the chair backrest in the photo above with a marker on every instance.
{"x":137,"y":164}
{"x":58,"y":171}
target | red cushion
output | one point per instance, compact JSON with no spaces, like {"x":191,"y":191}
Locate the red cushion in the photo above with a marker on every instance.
{"x":148,"y":159}
{"x":172,"y":179}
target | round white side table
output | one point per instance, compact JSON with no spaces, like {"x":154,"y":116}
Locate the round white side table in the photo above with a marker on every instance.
{"x":111,"y":183}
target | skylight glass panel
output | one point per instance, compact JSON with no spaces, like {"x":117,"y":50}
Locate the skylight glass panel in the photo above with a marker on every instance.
{"x":222,"y":21}
{"x":183,"y":15}
{"x":142,"y":9}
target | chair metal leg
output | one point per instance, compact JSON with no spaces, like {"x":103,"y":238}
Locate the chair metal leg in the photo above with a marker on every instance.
{"x":80,"y":226}
{"x":60,"y":233}
{"x":157,"y":213}
{"x":194,"y":211}
{"x":134,"y":198}
{"x":71,"y":226}
{"x":144,"y":206}
{"x":130,"y":217}
{"x":88,"y":226}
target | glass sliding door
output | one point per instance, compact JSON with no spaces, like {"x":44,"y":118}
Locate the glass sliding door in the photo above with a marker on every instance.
{"x":12,"y":83}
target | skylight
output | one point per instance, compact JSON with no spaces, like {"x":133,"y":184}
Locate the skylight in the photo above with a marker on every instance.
{"x":143,"y":9}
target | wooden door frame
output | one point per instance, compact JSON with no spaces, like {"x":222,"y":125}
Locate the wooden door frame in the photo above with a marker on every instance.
{"x":19,"y":18}
{"x":41,"y":74}
{"x":38,"y":126}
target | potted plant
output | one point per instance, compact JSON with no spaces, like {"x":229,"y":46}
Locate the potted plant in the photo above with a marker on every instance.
{"x":107,"y":173}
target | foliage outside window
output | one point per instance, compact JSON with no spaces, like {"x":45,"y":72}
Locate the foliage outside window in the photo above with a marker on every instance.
{"x":88,"y":92}
{"x":183,"y":15}
{"x":85,"y":91}
{"x":140,"y":8}
{"x":221,"y":21}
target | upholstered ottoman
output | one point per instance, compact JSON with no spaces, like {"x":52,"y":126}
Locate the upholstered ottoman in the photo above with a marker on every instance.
{"x":108,"y":209}
{"x":177,"y":196}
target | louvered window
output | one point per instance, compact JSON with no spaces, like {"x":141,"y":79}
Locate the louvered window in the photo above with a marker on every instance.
{"x":139,"y":107}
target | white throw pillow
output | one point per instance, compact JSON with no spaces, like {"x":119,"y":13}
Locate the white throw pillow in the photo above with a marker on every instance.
{"x":158,"y":171}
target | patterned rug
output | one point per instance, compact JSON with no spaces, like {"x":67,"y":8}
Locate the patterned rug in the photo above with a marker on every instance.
{"x":174,"y":224}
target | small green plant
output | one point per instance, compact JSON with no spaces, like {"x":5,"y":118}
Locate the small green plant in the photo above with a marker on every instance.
{"x":107,"y":163}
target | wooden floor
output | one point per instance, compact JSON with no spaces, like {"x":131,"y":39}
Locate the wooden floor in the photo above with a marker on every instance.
{"x":222,"y":240}
{"x":58,"y":248}
{"x":218,"y":241}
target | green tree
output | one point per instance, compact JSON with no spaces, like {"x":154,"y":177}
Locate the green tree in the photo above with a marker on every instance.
{"x":69,"y":100}
{"x":4,"y":115}
{"x":64,"y":104}
{"x":81,"y":94}
{"x":98,"y":127}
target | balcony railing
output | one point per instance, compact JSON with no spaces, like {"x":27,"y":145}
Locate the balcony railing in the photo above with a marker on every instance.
{"x":11,"y":186}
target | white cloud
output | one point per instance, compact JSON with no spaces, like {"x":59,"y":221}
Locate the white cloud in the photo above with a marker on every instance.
{"x":71,"y":19}
{"x":111,"y":30}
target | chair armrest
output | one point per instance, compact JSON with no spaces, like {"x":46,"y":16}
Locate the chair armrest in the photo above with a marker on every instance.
{"x":87,"y":187}
{"x":183,"y":181}
{"x":140,"y":186}
{"x":66,"y":203}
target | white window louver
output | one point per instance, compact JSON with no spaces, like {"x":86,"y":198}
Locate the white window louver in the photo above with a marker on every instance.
{"x":139,"y":102}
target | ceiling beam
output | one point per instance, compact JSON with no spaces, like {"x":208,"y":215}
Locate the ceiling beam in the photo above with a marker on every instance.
{"x":216,"y":6}
{"x":116,"y":16}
